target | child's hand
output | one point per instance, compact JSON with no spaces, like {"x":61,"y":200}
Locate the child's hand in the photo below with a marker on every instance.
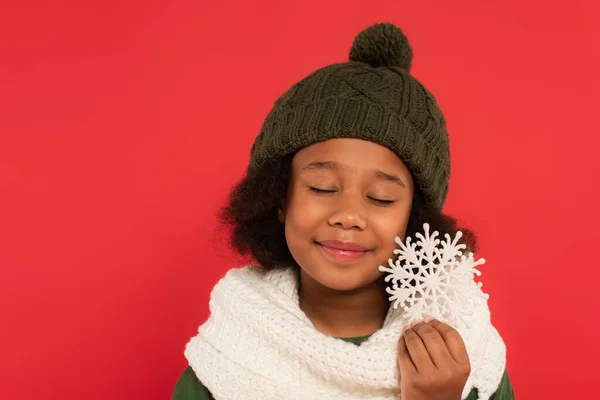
{"x":433,"y":362}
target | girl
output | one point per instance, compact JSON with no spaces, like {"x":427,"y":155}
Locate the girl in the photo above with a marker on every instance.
{"x":351,"y":157}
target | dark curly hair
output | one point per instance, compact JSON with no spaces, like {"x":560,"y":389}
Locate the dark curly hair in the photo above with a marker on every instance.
{"x":252,"y":212}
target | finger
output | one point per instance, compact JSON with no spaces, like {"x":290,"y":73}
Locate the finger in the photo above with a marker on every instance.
{"x":435,"y":345}
{"x":405,"y":363}
{"x":454,"y":343}
{"x":418,"y":351}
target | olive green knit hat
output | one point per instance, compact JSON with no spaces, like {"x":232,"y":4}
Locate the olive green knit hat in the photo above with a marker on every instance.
{"x":371,"y":97}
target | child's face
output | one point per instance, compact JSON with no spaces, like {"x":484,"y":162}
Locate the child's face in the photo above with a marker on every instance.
{"x":346,"y":202}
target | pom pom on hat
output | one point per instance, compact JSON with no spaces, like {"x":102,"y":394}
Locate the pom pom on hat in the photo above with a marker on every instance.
{"x":382,"y":45}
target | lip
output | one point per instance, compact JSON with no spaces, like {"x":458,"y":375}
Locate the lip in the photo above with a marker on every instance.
{"x":344,"y":246}
{"x":343,"y":251}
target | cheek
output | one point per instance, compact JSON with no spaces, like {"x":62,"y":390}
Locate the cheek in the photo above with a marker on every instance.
{"x":388,"y":228}
{"x":304,"y":210}
{"x":303,"y":216}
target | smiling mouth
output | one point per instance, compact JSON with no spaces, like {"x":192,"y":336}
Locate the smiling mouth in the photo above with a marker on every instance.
{"x":342,"y":252}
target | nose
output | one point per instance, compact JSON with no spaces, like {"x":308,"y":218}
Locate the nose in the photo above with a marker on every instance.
{"x":349,"y":213}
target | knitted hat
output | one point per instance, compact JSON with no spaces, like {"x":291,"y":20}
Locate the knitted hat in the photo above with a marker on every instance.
{"x":371,"y":97}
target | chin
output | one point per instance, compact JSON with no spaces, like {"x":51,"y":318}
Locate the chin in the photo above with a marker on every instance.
{"x":344,"y":281}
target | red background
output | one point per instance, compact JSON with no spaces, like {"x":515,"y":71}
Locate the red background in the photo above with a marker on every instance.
{"x":124,"y":124}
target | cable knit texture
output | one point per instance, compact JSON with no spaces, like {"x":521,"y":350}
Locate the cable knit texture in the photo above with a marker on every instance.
{"x":371,"y":97}
{"x":258,"y":344}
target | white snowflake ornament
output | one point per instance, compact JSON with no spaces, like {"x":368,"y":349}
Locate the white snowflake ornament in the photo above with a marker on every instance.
{"x":433,"y":278}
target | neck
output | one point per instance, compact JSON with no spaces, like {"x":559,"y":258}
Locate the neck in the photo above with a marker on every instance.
{"x":352,"y":313}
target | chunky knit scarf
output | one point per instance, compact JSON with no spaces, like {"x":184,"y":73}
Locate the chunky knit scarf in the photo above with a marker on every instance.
{"x":258,"y":344}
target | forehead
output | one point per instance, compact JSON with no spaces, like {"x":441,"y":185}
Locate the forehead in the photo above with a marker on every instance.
{"x":355,"y":154}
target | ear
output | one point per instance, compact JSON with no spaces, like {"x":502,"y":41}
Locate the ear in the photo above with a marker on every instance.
{"x":281,"y":212}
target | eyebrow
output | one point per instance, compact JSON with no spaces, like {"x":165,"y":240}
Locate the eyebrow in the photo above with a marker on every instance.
{"x":390,"y":178}
{"x":331,"y":165}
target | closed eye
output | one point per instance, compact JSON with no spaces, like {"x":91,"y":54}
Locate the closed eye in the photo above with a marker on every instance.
{"x":321,"y":191}
{"x":381,"y":202}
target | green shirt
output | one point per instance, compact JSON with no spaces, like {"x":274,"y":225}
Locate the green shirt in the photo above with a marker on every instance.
{"x":190,"y":388}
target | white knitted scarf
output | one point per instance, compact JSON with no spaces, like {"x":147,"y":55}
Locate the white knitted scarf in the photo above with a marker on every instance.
{"x":257,"y":344}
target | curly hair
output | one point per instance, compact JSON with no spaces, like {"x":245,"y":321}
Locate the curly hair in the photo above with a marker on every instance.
{"x":252,"y":212}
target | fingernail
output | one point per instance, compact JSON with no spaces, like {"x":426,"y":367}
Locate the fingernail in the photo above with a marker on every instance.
{"x":412,"y":324}
{"x":407,"y":327}
{"x":428,"y":319}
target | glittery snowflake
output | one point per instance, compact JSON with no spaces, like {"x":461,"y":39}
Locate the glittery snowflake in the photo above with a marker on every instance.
{"x":432,"y":277}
